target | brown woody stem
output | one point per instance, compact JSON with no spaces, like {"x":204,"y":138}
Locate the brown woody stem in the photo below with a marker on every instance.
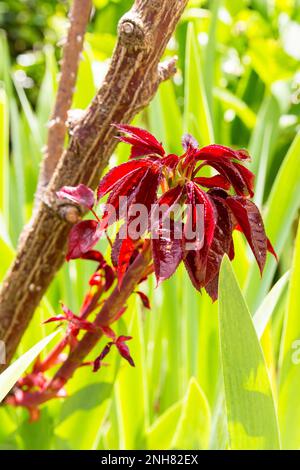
{"x":107,"y":315}
{"x":130,"y":83}
{"x":79,"y":17}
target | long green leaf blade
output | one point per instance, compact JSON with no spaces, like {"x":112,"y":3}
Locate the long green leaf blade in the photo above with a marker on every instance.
{"x":251,"y":415}
{"x":11,"y":375}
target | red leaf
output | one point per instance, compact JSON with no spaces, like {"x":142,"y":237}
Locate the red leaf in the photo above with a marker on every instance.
{"x":201,"y":197}
{"x":220,"y":152}
{"x":119,"y":343}
{"x":126,"y":251}
{"x":143,"y":143}
{"x":167,"y":251}
{"x":115,"y":175}
{"x":171,"y":161}
{"x":76,"y":321}
{"x":115,"y":251}
{"x":82,"y":238}
{"x":126,"y":189}
{"x":81,"y":195}
{"x":144,"y":299}
{"x":146,"y":193}
{"x":171,"y":197}
{"x":240,"y":177}
{"x":221,"y":244}
{"x":164,"y":205}
{"x":109,"y":332}
{"x":212,"y":288}
{"x":217,"y":181}
{"x":249,"y":218}
{"x":95,"y":279}
{"x":109,"y":277}
{"x":195,"y":258}
{"x":247,"y":176}
{"x":99,"y":359}
{"x":93,"y":255}
{"x":58,"y":318}
{"x":123,"y":349}
{"x":271,"y":249}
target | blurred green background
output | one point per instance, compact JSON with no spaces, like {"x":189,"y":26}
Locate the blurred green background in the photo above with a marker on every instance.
{"x":207,"y":375}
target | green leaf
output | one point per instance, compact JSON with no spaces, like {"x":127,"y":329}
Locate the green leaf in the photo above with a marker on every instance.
{"x":270,"y":61}
{"x":231,"y":101}
{"x":131,"y":387}
{"x":161,"y":433}
{"x":11,"y":375}
{"x":193,"y":429}
{"x":210,"y":53}
{"x":289,"y":411}
{"x":197,"y":118}
{"x":267,"y":307}
{"x":251,"y":415}
{"x":281,"y":210}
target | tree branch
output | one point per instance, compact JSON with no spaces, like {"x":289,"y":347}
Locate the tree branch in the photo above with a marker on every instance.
{"x":107,"y":315}
{"x":131,"y":82}
{"x":79,"y":17}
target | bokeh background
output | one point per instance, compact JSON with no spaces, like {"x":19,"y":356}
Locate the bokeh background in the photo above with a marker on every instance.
{"x":238,"y":84}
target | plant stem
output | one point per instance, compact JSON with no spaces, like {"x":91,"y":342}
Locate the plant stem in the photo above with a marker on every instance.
{"x":108,"y":314}
{"x":79,"y":17}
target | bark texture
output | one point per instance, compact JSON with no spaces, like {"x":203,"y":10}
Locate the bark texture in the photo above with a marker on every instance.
{"x":131,"y":82}
{"x":79,"y":17}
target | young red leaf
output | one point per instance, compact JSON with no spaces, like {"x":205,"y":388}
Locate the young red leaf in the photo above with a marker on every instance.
{"x":143,"y":143}
{"x":220,"y":152}
{"x":109,"y":332}
{"x":271,"y":249}
{"x":146,"y":192}
{"x":241,"y":180}
{"x":249,"y":218}
{"x":195,"y":258}
{"x":93,"y":255}
{"x":247,"y":176}
{"x":171,"y":161}
{"x":171,"y":197}
{"x":76,"y":321}
{"x":144,"y":298}
{"x":212,"y":288}
{"x":221,"y":244}
{"x":126,"y":251}
{"x":81,"y":195}
{"x":217,"y":181}
{"x":202,"y":198}
{"x":82,"y":238}
{"x":122,"y":196}
{"x":109,"y":277}
{"x":99,"y":359}
{"x":123,"y":349}
{"x":167,"y":250}
{"x":116,"y":174}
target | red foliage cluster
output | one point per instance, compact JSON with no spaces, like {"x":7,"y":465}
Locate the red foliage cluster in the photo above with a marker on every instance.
{"x":152,"y":178}
{"x":225,"y":200}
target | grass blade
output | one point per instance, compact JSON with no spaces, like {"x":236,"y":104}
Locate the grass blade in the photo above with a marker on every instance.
{"x":251,"y":415}
{"x":11,"y":375}
{"x":197,"y":118}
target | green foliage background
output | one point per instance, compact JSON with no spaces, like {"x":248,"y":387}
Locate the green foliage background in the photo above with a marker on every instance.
{"x":221,"y":375}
